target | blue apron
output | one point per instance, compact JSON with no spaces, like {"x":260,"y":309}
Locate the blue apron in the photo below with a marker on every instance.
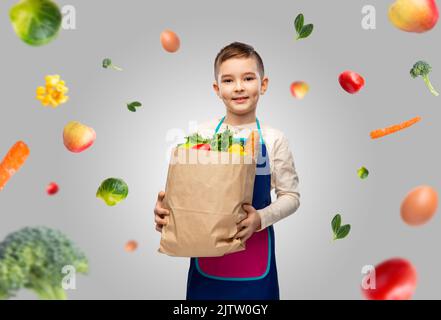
{"x":250,"y":274}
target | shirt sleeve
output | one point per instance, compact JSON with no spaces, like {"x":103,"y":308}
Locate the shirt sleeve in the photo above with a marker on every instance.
{"x":285,"y":183}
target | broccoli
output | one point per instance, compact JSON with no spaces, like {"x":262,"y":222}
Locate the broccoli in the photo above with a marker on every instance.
{"x":33,"y":258}
{"x":422,"y":69}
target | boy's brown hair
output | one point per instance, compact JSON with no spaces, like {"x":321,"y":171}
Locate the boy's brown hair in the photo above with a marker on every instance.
{"x":237,"y":50}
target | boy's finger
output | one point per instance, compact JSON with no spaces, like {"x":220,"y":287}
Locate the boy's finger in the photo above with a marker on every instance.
{"x":161,"y":211}
{"x":161,"y":195}
{"x":160,"y":221}
{"x":242,"y":224}
{"x":241,"y":234}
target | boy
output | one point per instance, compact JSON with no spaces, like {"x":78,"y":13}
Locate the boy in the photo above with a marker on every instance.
{"x":251,"y":273}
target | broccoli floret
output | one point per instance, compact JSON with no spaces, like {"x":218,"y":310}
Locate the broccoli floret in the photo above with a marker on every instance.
{"x":422,"y":69}
{"x":33,"y":258}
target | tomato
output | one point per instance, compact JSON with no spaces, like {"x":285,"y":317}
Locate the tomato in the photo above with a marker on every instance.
{"x":202,"y":146}
{"x":52,"y":188}
{"x":395,"y":279}
{"x":351,"y":81}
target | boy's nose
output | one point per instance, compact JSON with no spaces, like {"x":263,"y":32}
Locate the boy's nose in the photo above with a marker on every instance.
{"x":239,"y":86}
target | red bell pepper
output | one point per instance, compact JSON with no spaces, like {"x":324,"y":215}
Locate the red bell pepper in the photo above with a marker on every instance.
{"x":202,"y":146}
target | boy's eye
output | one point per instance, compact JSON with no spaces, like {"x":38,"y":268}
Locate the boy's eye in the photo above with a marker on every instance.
{"x":226,"y":80}
{"x":249,"y":78}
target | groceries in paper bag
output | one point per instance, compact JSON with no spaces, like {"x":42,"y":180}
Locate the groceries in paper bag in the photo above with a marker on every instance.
{"x":208,"y":181}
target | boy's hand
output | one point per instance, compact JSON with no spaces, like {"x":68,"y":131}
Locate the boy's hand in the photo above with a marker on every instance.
{"x":160,"y":212}
{"x":249,"y":225}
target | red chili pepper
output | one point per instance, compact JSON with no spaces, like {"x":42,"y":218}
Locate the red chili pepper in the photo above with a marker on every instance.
{"x":351,"y":81}
{"x":202,"y":146}
{"x":395,"y":279}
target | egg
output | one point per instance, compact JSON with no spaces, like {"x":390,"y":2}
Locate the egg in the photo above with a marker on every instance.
{"x":170,"y":41}
{"x":419,"y":205}
{"x":131,"y":245}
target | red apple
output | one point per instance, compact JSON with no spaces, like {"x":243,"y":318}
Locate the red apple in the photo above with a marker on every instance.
{"x":299,"y":89}
{"x":78,"y":137}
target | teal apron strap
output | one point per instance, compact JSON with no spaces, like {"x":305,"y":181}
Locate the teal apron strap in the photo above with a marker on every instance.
{"x":258,"y":128}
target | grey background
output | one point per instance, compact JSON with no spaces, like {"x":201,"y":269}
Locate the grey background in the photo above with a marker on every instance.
{"x":328,"y":133}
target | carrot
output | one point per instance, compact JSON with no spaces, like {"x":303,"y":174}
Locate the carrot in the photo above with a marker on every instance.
{"x":394,"y":128}
{"x":12,"y":162}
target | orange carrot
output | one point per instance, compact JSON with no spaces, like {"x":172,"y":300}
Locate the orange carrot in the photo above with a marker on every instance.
{"x":394,"y":128}
{"x":12,"y":162}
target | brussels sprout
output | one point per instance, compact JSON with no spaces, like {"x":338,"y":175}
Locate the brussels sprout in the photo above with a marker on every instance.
{"x":36,"y":22}
{"x":112,"y":191}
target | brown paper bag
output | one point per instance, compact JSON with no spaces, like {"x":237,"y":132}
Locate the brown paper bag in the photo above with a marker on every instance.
{"x":204,"y":193}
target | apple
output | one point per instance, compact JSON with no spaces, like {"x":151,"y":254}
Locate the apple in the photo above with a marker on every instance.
{"x":414,"y":15}
{"x":77,"y":137}
{"x":299,"y":89}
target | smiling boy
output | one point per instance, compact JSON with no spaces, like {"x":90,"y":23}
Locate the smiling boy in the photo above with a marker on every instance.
{"x":252,"y":273}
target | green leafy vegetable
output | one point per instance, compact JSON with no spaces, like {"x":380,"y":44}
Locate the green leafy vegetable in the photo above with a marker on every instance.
{"x":133,"y":105}
{"x":222,"y":141}
{"x":218,"y":142}
{"x":112,"y":191}
{"x":34,"y":258}
{"x":338,"y":230}
{"x":36,"y":22}
{"x":363,"y":173}
{"x":303,"y":31}
{"x":422,"y":69}
{"x":195,"y":139}
{"x":298,"y":23}
{"x":107,"y":63}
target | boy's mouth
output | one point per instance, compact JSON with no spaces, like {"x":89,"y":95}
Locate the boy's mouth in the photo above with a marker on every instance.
{"x":240,"y":99}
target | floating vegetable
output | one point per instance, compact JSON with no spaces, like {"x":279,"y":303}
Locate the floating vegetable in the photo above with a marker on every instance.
{"x":112,"y":191}
{"x":375,"y":134}
{"x":107,"y":63}
{"x":52,"y":188}
{"x":363,"y":173}
{"x":133,"y":105}
{"x":395,"y":279}
{"x":351,"y":81}
{"x":40,"y":259}
{"x":54,"y":92}
{"x":36,"y":22}
{"x":303,"y":31}
{"x":339,"y":231}
{"x":422,"y":69}
{"x":13,"y":161}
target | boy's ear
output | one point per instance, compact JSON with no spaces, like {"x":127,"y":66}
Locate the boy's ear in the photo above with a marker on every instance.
{"x":216,"y":88}
{"x":264,"y":85}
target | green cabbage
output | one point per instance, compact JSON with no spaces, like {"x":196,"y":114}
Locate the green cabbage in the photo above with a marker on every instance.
{"x":36,"y":22}
{"x":112,"y":191}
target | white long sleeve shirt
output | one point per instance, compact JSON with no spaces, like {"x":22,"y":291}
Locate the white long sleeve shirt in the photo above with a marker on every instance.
{"x":284,"y":178}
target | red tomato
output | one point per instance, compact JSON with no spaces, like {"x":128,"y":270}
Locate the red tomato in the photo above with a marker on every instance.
{"x":395,"y":279}
{"x":351,"y":81}
{"x":52,"y":188}
{"x":202,"y":146}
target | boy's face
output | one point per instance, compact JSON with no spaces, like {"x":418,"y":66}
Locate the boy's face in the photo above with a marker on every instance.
{"x":239,"y":85}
